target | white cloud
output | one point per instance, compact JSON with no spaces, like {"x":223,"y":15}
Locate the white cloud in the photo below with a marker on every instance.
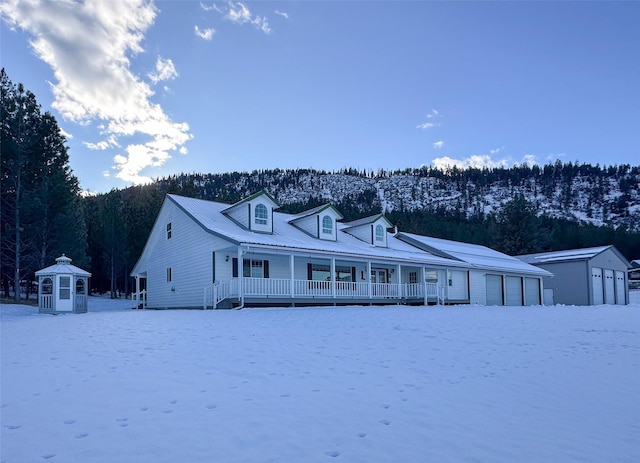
{"x":212,"y":7}
{"x":431,"y":117}
{"x":205,"y":34}
{"x":282,"y":13}
{"x":165,"y":70}
{"x":437,"y":145}
{"x":480,"y":161}
{"x":529,"y":160}
{"x":477,"y":160}
{"x":425,"y":125}
{"x":239,"y":13}
{"x":89,"y":46}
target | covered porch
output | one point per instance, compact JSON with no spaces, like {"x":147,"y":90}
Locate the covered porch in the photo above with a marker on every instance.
{"x":279,"y":278}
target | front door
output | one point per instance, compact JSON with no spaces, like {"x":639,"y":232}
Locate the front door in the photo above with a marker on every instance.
{"x":65,"y":294}
{"x":378,"y":281}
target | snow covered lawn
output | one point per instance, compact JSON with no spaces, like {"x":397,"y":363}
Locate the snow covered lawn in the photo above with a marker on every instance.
{"x":352,"y":384}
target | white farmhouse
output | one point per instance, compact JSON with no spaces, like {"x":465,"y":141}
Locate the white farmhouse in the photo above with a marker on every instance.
{"x":213,"y":255}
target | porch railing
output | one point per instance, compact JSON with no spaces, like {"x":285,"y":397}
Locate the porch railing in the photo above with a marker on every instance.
{"x":140,"y":298}
{"x":282,"y":288}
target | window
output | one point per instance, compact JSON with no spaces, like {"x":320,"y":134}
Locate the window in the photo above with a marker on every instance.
{"x":379,"y":233}
{"x":251,"y":268}
{"x":169,"y":231}
{"x":261,"y":214}
{"x":169,"y":276}
{"x":322,"y":272}
{"x":80,"y":286}
{"x":47,"y":286}
{"x":431,"y":276}
{"x":65,"y":287}
{"x":413,"y":278}
{"x":327,"y":225}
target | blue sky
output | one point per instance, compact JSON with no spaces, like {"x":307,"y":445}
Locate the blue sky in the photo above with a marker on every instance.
{"x":147,"y":89}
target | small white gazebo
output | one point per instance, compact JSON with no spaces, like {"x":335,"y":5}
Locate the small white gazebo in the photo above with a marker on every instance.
{"x":62,"y":288}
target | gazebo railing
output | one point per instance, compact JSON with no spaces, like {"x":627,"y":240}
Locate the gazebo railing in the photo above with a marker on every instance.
{"x":46,"y":301}
{"x":81,"y":301}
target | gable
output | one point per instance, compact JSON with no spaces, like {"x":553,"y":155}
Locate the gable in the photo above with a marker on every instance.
{"x":320,"y":222}
{"x":254,"y":213}
{"x":372,"y":230}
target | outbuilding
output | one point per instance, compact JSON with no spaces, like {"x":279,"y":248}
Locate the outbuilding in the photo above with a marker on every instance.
{"x":62,"y":288}
{"x":589,"y":276}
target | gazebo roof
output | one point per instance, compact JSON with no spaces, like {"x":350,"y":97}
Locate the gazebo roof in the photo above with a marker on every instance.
{"x":63,"y":266}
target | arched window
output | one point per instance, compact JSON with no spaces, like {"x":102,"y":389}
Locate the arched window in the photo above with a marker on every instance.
{"x":79,"y":286}
{"x":379,"y":233}
{"x":327,"y":225}
{"x":47,"y":286}
{"x":261,"y":214}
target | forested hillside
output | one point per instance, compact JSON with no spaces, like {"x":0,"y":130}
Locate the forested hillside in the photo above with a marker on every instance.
{"x":517,"y":210}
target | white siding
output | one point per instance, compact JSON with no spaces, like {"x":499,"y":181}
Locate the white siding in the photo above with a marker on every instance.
{"x":513,"y":290}
{"x":609,"y":287}
{"x":187,"y":253}
{"x":363,"y":233}
{"x":309,"y":225}
{"x":240,"y":214}
{"x":457,"y":291}
{"x":597,"y":286}
{"x":477,"y":288}
{"x":621,"y":288}
{"x":531,"y":291}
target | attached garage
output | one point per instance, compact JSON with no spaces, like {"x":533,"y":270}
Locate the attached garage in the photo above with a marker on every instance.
{"x":513,"y":286}
{"x":532,"y":291}
{"x":597,"y":286}
{"x":590,"y":276}
{"x":494,"y":290}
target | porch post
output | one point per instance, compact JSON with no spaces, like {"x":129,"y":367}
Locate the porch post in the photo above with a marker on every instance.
{"x":369,"y":278}
{"x":401,"y":292}
{"x":137,"y":291}
{"x":240,"y":276}
{"x":424,"y":285}
{"x":333,"y":277}
{"x":293,"y":289}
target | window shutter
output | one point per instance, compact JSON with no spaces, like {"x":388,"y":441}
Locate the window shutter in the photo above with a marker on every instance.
{"x":265,"y":268}
{"x":234,"y":266}
{"x":213,"y":268}
{"x":353,"y":274}
{"x":309,"y":271}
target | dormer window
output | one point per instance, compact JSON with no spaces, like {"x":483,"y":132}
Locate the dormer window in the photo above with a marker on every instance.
{"x":379,"y":233}
{"x":261,"y":214}
{"x":327,"y":225}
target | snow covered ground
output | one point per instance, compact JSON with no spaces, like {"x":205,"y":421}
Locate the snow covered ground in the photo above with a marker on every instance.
{"x":352,"y":384}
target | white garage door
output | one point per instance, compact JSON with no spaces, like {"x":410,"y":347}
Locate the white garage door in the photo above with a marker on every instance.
{"x":609,"y":287}
{"x":531,"y":291}
{"x":514,"y":290}
{"x":621,"y":288}
{"x":494,"y":290}
{"x":597,"y":285}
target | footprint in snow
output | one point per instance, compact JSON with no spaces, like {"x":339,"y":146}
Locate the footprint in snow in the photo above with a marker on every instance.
{"x":211,"y":406}
{"x":82,"y":435}
{"x":69,"y":421}
{"x":48,"y":456}
{"x":385,"y":422}
{"x":143,"y":409}
{"x":332,"y":454}
{"x":362,"y":434}
{"x":12,"y":426}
